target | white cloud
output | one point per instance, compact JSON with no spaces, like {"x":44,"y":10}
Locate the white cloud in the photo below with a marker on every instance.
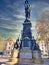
{"x":46,"y":10}
{"x":40,"y":7}
{"x":10,"y":27}
{"x":45,"y":13}
{"x":21,"y":11}
{"x":33,"y":6}
{"x":19,"y":16}
{"x":5,"y":18}
{"x":33,"y":25}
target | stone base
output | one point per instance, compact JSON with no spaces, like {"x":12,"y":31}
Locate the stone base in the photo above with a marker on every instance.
{"x":37,"y":55}
{"x":38,"y":61}
{"x":25,"y":61}
{"x":14,"y":58}
{"x":15,"y":53}
{"x":12,"y":61}
{"x":25,"y":53}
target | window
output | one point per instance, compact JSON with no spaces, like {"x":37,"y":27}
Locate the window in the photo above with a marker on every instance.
{"x":42,"y":44}
{"x":42,"y":51}
{"x":45,"y":45}
{"x":8,"y":52}
{"x":9,"y":47}
{"x":46,"y":51}
{"x":42,"y":47}
{"x":10,"y":43}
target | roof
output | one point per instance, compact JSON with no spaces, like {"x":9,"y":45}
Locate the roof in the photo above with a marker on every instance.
{"x":10,"y":39}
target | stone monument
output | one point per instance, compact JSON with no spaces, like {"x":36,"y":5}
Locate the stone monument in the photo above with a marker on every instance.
{"x":29,"y":51}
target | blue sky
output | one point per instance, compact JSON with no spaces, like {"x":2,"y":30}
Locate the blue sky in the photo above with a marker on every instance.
{"x":12,"y":15}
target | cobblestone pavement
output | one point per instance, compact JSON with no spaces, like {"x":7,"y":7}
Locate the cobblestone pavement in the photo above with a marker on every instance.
{"x":46,"y":62}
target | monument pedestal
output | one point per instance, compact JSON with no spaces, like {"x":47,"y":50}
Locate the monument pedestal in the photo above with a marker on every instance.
{"x":25,"y":55}
{"x":37,"y":57}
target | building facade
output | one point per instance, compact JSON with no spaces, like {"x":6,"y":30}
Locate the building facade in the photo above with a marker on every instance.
{"x":44,"y":47}
{"x":8,"y":46}
{"x":47,"y":42}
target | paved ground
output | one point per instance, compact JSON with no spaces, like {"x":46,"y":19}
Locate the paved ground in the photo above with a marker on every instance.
{"x":3,"y":62}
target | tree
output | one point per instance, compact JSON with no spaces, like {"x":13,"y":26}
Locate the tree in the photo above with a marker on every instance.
{"x":42,"y":27}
